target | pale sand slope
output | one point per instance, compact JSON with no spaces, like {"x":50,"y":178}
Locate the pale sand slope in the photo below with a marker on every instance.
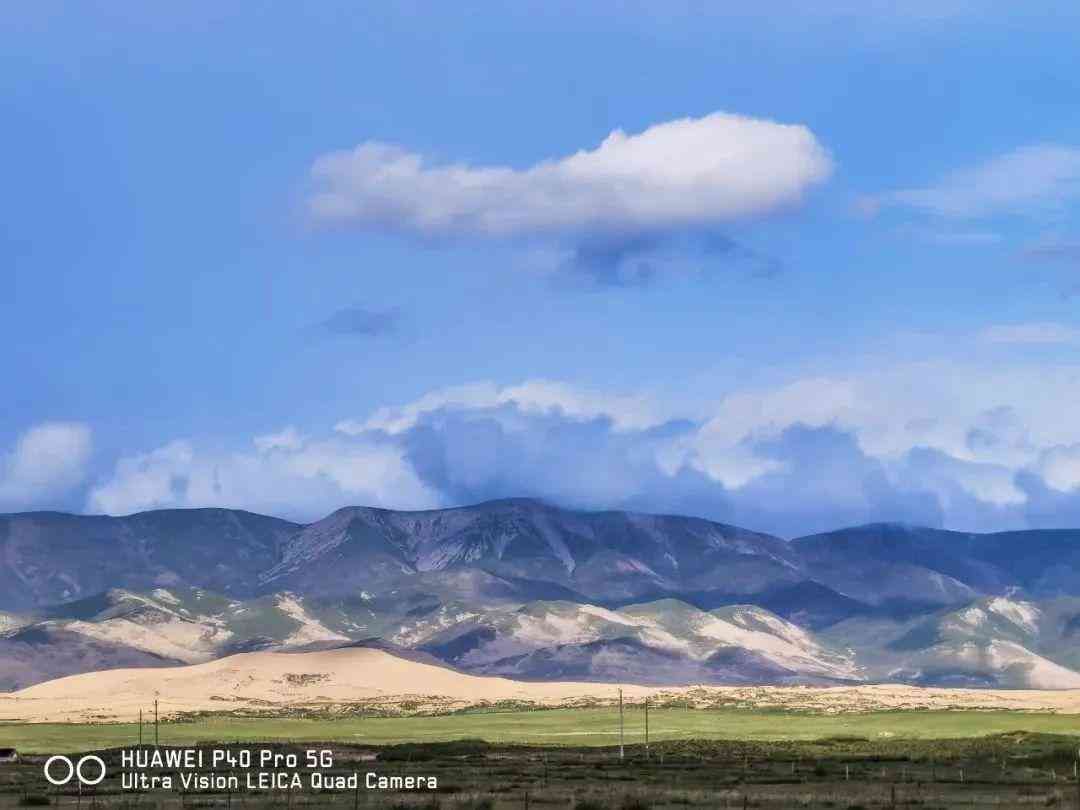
{"x":336,"y":680}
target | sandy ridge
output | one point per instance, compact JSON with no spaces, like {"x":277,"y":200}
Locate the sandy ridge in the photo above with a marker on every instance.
{"x":340,"y":679}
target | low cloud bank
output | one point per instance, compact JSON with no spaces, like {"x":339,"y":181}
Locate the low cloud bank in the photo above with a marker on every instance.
{"x":977,"y":448}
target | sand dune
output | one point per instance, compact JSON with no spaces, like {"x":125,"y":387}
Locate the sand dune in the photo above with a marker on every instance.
{"x":346,"y":678}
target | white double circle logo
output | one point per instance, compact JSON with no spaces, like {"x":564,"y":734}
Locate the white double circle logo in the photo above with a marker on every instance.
{"x":60,"y":770}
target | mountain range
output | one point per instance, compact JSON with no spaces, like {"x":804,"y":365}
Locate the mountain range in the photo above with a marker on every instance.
{"x":530,"y":590}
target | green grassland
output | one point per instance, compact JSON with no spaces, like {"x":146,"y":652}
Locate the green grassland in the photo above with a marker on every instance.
{"x":557,"y":727}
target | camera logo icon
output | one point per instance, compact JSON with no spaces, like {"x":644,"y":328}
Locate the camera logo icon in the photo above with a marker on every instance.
{"x":60,"y":770}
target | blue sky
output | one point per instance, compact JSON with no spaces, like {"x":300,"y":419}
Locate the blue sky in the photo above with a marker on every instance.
{"x":288,"y":260}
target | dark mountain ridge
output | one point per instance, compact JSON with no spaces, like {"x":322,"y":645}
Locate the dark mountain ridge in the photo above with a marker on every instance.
{"x":880,"y":561}
{"x":50,"y":557}
{"x":599,"y":554}
{"x":520,"y":549}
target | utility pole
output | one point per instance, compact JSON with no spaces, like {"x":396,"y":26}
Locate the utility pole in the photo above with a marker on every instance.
{"x":646,"y":728}
{"x":140,"y":728}
{"x":622,"y":746}
{"x":155,"y":722}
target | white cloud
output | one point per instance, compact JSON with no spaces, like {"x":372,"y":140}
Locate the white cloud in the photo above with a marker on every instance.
{"x":1060,"y":467}
{"x":935,"y":404}
{"x":531,"y":396}
{"x":48,"y":460}
{"x":286,"y":439}
{"x":1033,"y":179}
{"x":987,"y":421}
{"x":993,"y":485}
{"x":146,"y":481}
{"x":719,"y":447}
{"x":1031,"y":333}
{"x":683,"y":174}
{"x":286,"y":475}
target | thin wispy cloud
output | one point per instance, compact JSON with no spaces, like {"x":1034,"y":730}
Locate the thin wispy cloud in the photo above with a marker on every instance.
{"x":360,"y":322}
{"x":1030,"y":181}
{"x":1062,"y":259}
{"x":1032,"y":334}
{"x":1054,"y":252}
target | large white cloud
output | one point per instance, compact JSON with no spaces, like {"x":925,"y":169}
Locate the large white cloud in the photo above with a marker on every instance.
{"x":47,"y":461}
{"x":682,"y":174}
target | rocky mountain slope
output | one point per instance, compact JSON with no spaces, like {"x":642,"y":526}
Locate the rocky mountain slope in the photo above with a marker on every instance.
{"x":670,"y":641}
{"x":658,"y":642}
{"x":160,"y":628}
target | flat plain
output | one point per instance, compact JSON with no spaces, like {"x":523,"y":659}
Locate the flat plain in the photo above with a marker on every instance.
{"x":583,"y":727}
